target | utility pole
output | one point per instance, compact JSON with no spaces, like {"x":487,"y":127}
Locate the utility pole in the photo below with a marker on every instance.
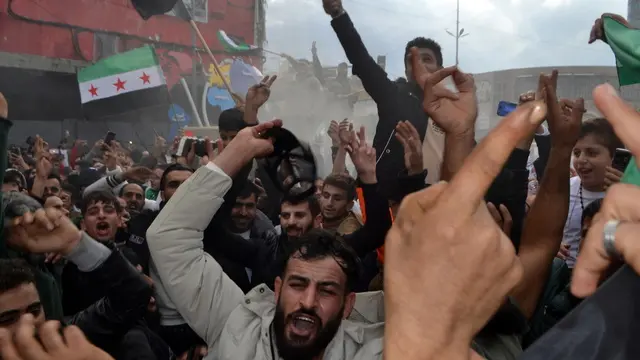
{"x":459,"y":32}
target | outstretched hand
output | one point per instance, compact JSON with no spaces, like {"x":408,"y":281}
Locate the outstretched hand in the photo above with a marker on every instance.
{"x":259,"y":93}
{"x":454,"y":112}
{"x":363,"y":156}
{"x":408,"y":136}
{"x":564,"y":116}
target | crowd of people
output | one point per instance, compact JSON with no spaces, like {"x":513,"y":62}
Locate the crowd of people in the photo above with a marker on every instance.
{"x":167,"y":255}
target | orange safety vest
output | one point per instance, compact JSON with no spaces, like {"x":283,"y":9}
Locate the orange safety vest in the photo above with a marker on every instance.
{"x":380,"y":250}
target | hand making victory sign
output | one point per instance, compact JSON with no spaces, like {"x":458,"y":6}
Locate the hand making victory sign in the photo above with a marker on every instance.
{"x":447,"y":231}
{"x":259,"y":94}
{"x":454,"y":112}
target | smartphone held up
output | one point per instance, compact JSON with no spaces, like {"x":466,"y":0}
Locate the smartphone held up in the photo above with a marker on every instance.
{"x":505,"y":108}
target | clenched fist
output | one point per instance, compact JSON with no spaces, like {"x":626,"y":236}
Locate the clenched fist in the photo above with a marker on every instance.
{"x":333,"y":7}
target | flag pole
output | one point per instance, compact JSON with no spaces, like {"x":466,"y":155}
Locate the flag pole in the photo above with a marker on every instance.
{"x":194,"y":26}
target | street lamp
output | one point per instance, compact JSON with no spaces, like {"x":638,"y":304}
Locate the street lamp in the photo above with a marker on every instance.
{"x":459,"y":32}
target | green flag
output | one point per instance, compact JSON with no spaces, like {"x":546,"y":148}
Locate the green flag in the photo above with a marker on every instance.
{"x":124,"y":82}
{"x":233,"y":44}
{"x":625,"y":44}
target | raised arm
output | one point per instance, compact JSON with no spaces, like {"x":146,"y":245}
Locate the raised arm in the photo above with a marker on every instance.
{"x":318,"y":72}
{"x":194,"y":281}
{"x":118,"y":178}
{"x":371,"y":236}
{"x":543,"y":228}
{"x":374,"y":79}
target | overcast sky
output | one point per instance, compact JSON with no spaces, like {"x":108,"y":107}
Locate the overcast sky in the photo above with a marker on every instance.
{"x":503,"y":34}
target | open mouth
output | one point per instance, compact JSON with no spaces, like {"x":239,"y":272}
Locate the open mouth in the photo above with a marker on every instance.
{"x":103,"y":228}
{"x":584,"y":172}
{"x":304,"y":325}
{"x":294,"y":231}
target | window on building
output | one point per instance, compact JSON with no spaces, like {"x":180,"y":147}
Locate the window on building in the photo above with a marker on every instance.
{"x":105,"y":45}
{"x":198,"y":9}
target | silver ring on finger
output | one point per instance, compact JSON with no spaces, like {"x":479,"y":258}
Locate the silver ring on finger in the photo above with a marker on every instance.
{"x":609,"y":238}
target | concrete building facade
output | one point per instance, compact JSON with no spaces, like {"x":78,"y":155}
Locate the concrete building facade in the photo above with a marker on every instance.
{"x":573,"y":82}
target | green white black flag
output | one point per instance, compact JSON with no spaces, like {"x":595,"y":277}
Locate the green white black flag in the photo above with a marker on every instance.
{"x":121,"y":83}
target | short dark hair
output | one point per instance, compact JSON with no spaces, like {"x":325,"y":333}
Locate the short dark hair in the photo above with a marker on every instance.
{"x":14,"y":176}
{"x":591,"y":210}
{"x":54,"y":176}
{"x":343,"y":182}
{"x":249,"y":189}
{"x":105,"y":197}
{"x":170,"y":169}
{"x":319,"y":244}
{"x":312,"y":201}
{"x":424,"y":43}
{"x":13,"y":273}
{"x":71,"y":190}
{"x":231,"y":120}
{"x":603,"y":131}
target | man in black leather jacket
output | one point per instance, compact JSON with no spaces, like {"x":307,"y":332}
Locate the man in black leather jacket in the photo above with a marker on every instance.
{"x":106,"y":321}
{"x":396,"y":100}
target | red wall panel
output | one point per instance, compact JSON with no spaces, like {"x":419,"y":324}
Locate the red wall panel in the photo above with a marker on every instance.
{"x":17,"y":36}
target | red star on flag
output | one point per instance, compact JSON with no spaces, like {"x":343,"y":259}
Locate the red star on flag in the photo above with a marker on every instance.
{"x":145,"y":78}
{"x":93,"y":90}
{"x":119,"y":85}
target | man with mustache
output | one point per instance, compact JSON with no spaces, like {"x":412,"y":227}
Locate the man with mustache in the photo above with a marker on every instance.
{"x":300,"y":215}
{"x":307,"y":316}
{"x":134,"y":195}
{"x":337,"y":200}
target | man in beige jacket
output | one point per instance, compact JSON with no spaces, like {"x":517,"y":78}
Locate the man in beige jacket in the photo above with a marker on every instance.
{"x":312,"y":314}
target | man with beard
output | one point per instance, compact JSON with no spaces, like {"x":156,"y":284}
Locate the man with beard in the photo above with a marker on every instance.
{"x":246,"y":220}
{"x":248,"y":225}
{"x":307,"y":317}
{"x":300,"y":215}
{"x":337,"y":196}
{"x":133,"y":194}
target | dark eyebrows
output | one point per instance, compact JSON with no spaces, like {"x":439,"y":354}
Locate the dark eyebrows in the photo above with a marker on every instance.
{"x":8,"y":314}
{"x":306,"y":281}
{"x":329,"y":284}
{"x":17,"y":312}
{"x":298,"y":278}
{"x":35,"y":305}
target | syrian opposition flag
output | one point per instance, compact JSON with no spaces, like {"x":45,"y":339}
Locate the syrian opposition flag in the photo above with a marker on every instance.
{"x":232,"y":44}
{"x":121,"y":83}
